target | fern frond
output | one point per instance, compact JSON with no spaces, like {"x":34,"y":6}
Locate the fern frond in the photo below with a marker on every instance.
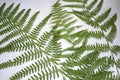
{"x":17,"y":17}
{"x":118,"y":63}
{"x":111,"y":35}
{"x":115,"y":49}
{"x":13,"y":12}
{"x":96,"y":34}
{"x":97,"y":9}
{"x":53,"y":47}
{"x":100,"y":75}
{"x":75,"y":6}
{"x":8,"y":37}
{"x":109,"y":22}
{"x":27,"y":56}
{"x":37,"y":66}
{"x":30,"y":22}
{"x":10,"y":23}
{"x":112,"y":77}
{"x":44,"y":38}
{"x":47,"y":75}
{"x":44,"y":51}
{"x":91,"y":5}
{"x":24,"y":18}
{"x":14,"y":46}
{"x":35,"y":32}
{"x":7,"y":11}
{"x":99,"y":47}
{"x":103,"y":16}
{"x":87,"y":66}
{"x":62,"y":22}
{"x":2,"y":8}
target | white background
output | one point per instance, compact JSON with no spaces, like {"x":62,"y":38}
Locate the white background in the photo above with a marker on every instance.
{"x":45,"y":6}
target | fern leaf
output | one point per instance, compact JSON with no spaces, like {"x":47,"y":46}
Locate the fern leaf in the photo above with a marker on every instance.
{"x":35,"y":32}
{"x":103,"y":16}
{"x":44,"y":38}
{"x":3,"y":25}
{"x":45,"y":53}
{"x":109,"y":22}
{"x":97,"y":9}
{"x":27,"y":56}
{"x":115,"y":49}
{"x":17,"y":17}
{"x":92,"y":4}
{"x":111,"y":35}
{"x":14,"y":46}
{"x":112,"y":77}
{"x":96,"y":34}
{"x":8,"y":37}
{"x":2,"y":8}
{"x":7,"y":11}
{"x":7,"y":28}
{"x":23,"y":19}
{"x":13,"y":12}
{"x":102,"y":75}
{"x":99,"y":47}
{"x":32,"y":68}
{"x":48,"y":74}
{"x":30,"y":22}
{"x":75,"y":6}
{"x":118,"y":63}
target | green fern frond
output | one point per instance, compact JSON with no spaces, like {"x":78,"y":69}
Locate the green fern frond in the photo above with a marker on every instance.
{"x":47,"y":75}
{"x":30,"y":22}
{"x":24,"y":18}
{"x":14,"y":46}
{"x":13,"y":12}
{"x":103,"y":16}
{"x":99,"y":47}
{"x":17,"y":17}
{"x":109,"y":22}
{"x":62,"y":22}
{"x":37,"y":66}
{"x":97,"y":9}
{"x":44,"y":51}
{"x":6,"y":11}
{"x":35,"y":32}
{"x":87,"y":67}
{"x":75,"y":6}
{"x":89,"y":17}
{"x":89,"y":14}
{"x":112,"y":77}
{"x":27,"y":56}
{"x":115,"y":49}
{"x":2,"y":8}
{"x":91,"y":5}
{"x":17,"y":31}
{"x":111,"y":35}
{"x":43,"y":39}
{"x":118,"y":63}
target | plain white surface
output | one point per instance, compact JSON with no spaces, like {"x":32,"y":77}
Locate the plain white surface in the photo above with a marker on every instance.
{"x":45,"y":6}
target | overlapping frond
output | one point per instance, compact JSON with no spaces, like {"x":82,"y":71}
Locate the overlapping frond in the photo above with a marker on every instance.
{"x":41,"y":50}
{"x":103,"y":27}
{"x":81,"y":61}
{"x":64,"y":23}
{"x":88,"y":67}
